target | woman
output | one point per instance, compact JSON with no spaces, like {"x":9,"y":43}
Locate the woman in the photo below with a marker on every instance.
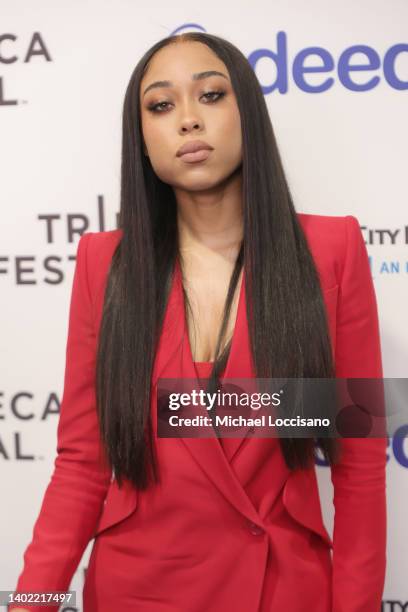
{"x":215,"y":525}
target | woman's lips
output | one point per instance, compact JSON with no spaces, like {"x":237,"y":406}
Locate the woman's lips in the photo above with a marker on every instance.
{"x":197,"y":156}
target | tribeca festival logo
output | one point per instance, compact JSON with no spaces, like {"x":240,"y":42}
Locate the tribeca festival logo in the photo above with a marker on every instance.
{"x":21,"y":408}
{"x":12,"y":50}
{"x":57,"y":229}
{"x":292,"y":69}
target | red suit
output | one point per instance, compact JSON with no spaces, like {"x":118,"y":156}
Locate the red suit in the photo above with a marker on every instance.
{"x":229,"y":528}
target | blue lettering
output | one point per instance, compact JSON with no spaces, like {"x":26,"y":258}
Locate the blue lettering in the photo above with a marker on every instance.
{"x":281,"y":61}
{"x":398,"y":445}
{"x":326,"y":64}
{"x":299,"y":69}
{"x":390,"y":267}
{"x":344,"y":67}
{"x":389,"y":66}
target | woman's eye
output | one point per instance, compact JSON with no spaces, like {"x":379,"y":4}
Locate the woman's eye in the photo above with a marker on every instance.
{"x":160,"y":107}
{"x":155,"y":107}
{"x":219,"y":95}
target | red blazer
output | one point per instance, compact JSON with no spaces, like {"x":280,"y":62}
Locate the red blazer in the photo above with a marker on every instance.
{"x":226,"y":530}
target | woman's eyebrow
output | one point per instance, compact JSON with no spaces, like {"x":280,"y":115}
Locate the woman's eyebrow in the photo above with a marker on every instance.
{"x":195,"y":77}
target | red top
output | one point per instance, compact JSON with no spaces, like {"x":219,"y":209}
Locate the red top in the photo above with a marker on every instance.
{"x":153,"y":548}
{"x":203,"y":368}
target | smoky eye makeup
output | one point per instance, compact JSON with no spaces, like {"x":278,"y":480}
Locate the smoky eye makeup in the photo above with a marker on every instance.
{"x":211,"y":96}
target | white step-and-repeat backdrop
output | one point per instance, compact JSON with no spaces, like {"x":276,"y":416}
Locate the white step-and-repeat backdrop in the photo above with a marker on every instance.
{"x":343,"y":134}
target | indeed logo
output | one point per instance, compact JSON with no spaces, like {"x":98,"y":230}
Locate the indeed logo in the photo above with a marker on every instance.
{"x":353,"y":60}
{"x":358,"y":68}
{"x":395,"y":444}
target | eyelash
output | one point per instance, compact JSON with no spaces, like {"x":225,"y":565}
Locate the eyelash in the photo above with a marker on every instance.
{"x":154,"y":107}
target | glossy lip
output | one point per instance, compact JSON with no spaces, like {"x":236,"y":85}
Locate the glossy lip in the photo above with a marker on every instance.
{"x":192,"y":146}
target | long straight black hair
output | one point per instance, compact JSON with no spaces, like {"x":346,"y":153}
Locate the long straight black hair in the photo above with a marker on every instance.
{"x":285,"y":309}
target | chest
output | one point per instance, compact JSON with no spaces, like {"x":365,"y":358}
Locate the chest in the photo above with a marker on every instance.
{"x":206,"y":300}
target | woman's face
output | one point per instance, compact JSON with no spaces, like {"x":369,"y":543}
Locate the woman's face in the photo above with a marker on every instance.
{"x":186,"y":110}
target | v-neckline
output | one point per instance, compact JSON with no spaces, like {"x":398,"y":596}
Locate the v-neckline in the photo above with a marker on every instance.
{"x":238,"y":316}
{"x":174,"y":360}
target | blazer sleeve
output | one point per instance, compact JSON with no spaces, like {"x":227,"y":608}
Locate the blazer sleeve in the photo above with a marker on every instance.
{"x":359,"y":479}
{"x":74,"y":497}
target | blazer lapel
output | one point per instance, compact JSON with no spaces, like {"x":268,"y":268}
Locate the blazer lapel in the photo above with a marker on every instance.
{"x":174,"y":360}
